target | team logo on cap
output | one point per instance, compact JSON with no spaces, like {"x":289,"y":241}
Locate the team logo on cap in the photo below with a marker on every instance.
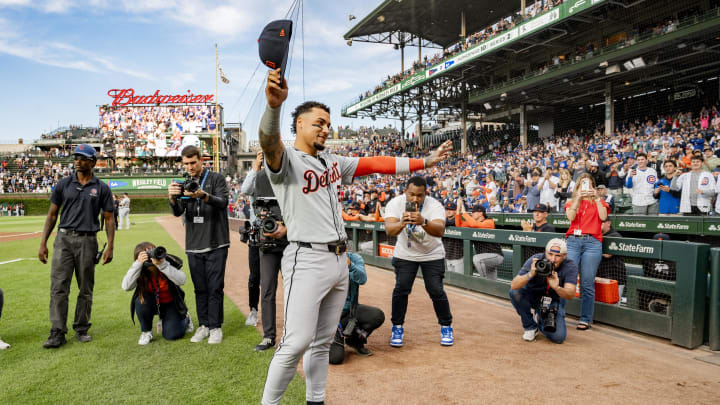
{"x":651,"y":179}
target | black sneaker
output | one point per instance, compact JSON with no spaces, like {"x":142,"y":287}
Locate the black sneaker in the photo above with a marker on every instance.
{"x":360,"y":348}
{"x":83,"y":337}
{"x":266,"y":343}
{"x":56,"y":339}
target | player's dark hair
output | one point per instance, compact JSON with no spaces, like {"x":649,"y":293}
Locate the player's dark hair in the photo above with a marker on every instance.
{"x":302,"y":109}
{"x":417,"y":181}
{"x":190,"y":151}
{"x":643,"y":154}
{"x":697,"y":157}
{"x":672,"y":162}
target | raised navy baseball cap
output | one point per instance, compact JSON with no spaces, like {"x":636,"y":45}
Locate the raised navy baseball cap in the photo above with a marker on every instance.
{"x":85,"y":150}
{"x":450,"y":205}
{"x":274,"y":44}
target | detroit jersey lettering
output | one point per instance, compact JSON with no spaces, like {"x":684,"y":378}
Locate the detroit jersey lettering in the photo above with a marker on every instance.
{"x":316,"y":179}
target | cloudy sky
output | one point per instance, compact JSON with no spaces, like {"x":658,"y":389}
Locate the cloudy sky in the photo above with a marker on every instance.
{"x":58,"y":58}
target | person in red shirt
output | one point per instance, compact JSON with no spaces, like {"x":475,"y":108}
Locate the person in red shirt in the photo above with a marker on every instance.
{"x":156,"y":283}
{"x":586,"y":212}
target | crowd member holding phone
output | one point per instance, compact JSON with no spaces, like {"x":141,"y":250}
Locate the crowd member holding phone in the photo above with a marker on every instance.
{"x":642,"y":181}
{"x":586,"y":211}
{"x":418,"y":221}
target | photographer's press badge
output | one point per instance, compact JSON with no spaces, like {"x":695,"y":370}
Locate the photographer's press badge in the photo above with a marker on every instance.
{"x":198,"y":220}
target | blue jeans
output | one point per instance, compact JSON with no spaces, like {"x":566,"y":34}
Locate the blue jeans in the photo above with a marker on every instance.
{"x":587,"y":253}
{"x":174,"y":325}
{"x":523,"y":300}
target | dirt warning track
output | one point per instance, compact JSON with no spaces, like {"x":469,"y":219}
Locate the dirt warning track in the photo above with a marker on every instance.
{"x":489,"y":362}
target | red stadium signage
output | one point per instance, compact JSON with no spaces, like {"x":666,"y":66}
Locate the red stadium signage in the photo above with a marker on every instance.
{"x":123,"y":97}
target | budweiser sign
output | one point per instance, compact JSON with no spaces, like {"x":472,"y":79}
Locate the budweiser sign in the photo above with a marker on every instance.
{"x":124,"y":97}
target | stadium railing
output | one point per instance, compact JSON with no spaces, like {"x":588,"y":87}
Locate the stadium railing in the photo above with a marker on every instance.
{"x":683,"y":320}
{"x":706,"y":225}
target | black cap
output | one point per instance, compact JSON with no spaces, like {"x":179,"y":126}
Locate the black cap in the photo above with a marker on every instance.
{"x":274,"y":44}
{"x":539,"y":207}
{"x":450,"y":205}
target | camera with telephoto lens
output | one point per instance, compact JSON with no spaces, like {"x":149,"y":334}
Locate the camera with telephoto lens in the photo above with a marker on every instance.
{"x":157,"y":253}
{"x":544,"y":267}
{"x":267,"y":220}
{"x":190,"y":184}
{"x":548,"y":313}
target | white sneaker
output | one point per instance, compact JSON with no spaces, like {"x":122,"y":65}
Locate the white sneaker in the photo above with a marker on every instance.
{"x":3,"y":345}
{"x":215,"y":336}
{"x":200,"y":334}
{"x":145,"y":338}
{"x":190,"y":326}
{"x":529,"y":335}
{"x":252,"y":319}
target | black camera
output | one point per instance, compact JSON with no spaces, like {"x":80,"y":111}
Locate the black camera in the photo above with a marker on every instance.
{"x":158,"y":253}
{"x":267,"y":220}
{"x":544,"y":268}
{"x":190,"y":184}
{"x":548,"y":313}
{"x":411,"y":206}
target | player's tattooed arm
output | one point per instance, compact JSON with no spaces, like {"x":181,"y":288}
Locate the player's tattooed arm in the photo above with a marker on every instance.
{"x":276,"y":92}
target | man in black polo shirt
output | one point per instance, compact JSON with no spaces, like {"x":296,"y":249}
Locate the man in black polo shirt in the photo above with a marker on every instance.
{"x":540,"y":223}
{"x":82,"y":197}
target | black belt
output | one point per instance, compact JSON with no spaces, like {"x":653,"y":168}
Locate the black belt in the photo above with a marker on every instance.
{"x":336,"y":247}
{"x":73,"y":232}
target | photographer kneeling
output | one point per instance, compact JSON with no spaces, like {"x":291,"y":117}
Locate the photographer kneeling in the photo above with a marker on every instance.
{"x":155,"y":276}
{"x":357,"y":321}
{"x":544,"y":283}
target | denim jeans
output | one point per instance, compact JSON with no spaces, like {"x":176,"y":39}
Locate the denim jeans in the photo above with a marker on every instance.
{"x":587,"y":253}
{"x":524,"y":300}
{"x":173,"y":324}
{"x":433,"y":273}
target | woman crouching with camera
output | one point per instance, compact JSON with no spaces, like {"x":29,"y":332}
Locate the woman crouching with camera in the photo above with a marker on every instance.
{"x":156,"y":278}
{"x":586,"y":212}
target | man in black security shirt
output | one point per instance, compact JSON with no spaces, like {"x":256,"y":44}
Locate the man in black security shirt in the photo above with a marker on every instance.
{"x":540,"y":224}
{"x":82,"y":197}
{"x":207,"y":238}
{"x":527,"y":290}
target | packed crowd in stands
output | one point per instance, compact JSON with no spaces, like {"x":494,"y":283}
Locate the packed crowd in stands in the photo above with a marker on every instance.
{"x":30,"y":175}
{"x":504,"y":24}
{"x":152,"y":131}
{"x":648,"y":166}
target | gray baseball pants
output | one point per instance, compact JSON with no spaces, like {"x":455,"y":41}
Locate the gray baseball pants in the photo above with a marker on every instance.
{"x":315,"y":286}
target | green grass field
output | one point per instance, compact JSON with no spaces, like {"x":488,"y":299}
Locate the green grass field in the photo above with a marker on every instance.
{"x":113,"y":368}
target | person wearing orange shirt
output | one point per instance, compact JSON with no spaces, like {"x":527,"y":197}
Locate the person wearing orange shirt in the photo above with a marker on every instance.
{"x":487,"y":257}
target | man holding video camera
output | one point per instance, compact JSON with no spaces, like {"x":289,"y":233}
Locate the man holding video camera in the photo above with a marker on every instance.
{"x":268,"y":234}
{"x":202,"y":200}
{"x":545,"y":282}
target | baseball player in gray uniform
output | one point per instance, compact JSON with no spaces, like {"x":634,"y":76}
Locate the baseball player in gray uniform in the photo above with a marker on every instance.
{"x":305,"y":180}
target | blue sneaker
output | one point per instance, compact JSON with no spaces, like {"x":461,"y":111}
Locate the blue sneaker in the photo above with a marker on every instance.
{"x":397,"y":336}
{"x":446,"y":336}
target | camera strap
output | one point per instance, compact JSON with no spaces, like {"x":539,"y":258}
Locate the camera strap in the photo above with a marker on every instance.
{"x":156,"y":290}
{"x":202,"y":185}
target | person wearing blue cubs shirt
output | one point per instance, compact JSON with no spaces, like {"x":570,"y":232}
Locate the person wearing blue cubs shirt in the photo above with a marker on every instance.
{"x":669,"y":199}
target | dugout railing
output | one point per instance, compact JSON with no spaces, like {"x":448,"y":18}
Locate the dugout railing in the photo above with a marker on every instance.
{"x":668,"y":303}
